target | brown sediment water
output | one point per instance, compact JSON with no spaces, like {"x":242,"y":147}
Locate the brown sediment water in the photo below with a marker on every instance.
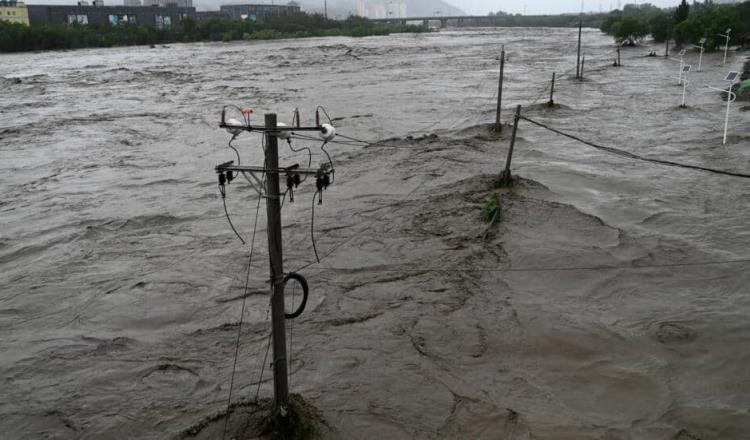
{"x":589,"y":312}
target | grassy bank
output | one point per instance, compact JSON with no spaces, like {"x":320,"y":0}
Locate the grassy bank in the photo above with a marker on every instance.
{"x":19,"y":38}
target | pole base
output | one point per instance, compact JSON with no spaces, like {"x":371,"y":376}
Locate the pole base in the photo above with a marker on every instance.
{"x":505,"y":180}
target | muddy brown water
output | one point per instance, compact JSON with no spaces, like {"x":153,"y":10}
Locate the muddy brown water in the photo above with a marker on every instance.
{"x":588,"y":312}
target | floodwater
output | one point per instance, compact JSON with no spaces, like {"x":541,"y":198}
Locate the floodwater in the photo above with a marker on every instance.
{"x":610,"y":302}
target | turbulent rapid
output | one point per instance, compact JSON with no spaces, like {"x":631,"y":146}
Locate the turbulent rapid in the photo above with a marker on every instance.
{"x":609,"y":302}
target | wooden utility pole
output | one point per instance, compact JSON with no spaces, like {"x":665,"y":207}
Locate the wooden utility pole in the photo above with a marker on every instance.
{"x":552,"y":92}
{"x":618,"y":56}
{"x":505,"y":177}
{"x":499,"y":127}
{"x":666,"y":53}
{"x":273,"y":213}
{"x":578,"y":58}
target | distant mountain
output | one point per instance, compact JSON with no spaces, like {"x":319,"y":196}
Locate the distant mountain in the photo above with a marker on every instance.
{"x":343,"y":8}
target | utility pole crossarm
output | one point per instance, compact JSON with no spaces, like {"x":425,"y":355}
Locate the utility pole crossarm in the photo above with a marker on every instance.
{"x":294,"y":169}
{"x":266,"y":129}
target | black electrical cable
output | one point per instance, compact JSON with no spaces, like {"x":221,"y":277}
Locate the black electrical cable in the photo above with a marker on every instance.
{"x":330,"y":162}
{"x":235,"y":150}
{"x":223,"y":191}
{"x":628,"y":155}
{"x":312,"y":226}
{"x":305,"y":291}
{"x":265,"y":358}
{"x":309,"y":155}
{"x":242,"y":314}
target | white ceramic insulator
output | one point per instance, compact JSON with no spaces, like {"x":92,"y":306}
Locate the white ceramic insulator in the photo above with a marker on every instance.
{"x":283,"y":134}
{"x":327,"y":132}
{"x":231,"y":123}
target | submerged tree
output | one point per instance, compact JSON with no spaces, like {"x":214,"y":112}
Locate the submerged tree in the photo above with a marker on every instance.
{"x":629,"y":31}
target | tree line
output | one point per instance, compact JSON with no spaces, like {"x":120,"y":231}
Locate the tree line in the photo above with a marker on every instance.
{"x":16,"y":37}
{"x":685,"y":23}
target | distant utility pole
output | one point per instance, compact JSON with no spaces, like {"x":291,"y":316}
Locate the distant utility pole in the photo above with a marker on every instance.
{"x":325,"y":8}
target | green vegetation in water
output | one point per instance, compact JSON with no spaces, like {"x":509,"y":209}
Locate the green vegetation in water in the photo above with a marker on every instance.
{"x":16,"y":37}
{"x":492,"y":211}
{"x":686,"y":23}
{"x":300,"y":423}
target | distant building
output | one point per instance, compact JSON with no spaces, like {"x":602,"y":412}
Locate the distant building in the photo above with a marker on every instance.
{"x":381,"y":9}
{"x":14,"y":12}
{"x":377,"y":10}
{"x":259,"y":12}
{"x":168,"y":3}
{"x":211,"y":15}
{"x":154,"y":16}
{"x":132,"y":3}
{"x":362,"y":8}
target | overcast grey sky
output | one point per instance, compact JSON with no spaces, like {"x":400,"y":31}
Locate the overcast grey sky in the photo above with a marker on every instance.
{"x":482,"y":7}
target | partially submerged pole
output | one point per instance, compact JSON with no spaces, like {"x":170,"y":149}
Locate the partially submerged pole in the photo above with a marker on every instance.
{"x":726,"y":118}
{"x":499,"y":127}
{"x":551,"y":102}
{"x":273,"y":213}
{"x":618,"y":57}
{"x":578,"y":58}
{"x":684,"y":90}
{"x":583,"y":62}
{"x":505,"y":177}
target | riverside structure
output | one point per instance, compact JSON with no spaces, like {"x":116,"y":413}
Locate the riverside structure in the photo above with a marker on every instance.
{"x":14,"y":12}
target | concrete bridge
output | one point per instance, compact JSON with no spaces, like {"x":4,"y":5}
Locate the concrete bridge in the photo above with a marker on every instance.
{"x":456,"y":20}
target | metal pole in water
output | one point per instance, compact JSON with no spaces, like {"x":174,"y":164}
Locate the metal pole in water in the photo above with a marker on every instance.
{"x":684,"y":90}
{"x":552,"y":92}
{"x":273,"y":214}
{"x":726,"y":48}
{"x":578,"y":58}
{"x":498,"y":127}
{"x":726,"y":119}
{"x":618,"y":57}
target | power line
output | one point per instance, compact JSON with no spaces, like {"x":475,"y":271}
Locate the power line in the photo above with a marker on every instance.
{"x":242,"y":314}
{"x":535,"y":269}
{"x":629,"y":155}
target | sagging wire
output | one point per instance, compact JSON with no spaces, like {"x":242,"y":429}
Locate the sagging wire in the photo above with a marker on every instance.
{"x":309,"y":154}
{"x":629,"y":155}
{"x":223,"y":181}
{"x":312,"y":225}
{"x":234,"y":136}
{"x":330,"y":164}
{"x":242,"y":314}
{"x":320,"y":107}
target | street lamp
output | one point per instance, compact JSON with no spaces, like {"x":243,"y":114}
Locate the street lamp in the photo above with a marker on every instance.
{"x":682,"y":64}
{"x":702,"y":48}
{"x":726,"y":46}
{"x":685,"y":70}
{"x":731,"y":78}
